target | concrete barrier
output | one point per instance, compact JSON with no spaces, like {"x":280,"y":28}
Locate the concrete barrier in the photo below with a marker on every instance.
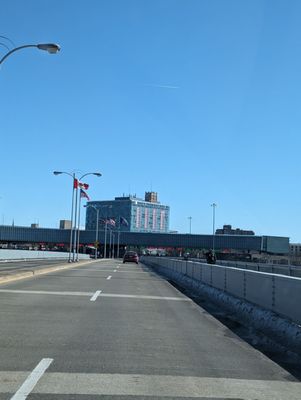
{"x":259,"y":289}
{"x":235,"y":282}
{"x":20,"y":275}
{"x":7,"y":254}
{"x":287,"y":297}
{"x":277,"y":293}
{"x":267,"y":302}
{"x":219,"y":278}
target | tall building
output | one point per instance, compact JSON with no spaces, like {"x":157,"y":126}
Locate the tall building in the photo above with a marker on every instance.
{"x":130,"y":213}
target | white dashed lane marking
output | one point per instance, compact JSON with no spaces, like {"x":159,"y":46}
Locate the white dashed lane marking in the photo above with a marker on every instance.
{"x":95,"y":295}
{"x":32,"y":379}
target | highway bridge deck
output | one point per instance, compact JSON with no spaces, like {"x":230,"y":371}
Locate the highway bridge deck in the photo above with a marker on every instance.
{"x":109,"y":330}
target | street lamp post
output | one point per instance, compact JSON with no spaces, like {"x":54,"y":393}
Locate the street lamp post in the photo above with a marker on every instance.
{"x":52,"y":48}
{"x":77,"y":228}
{"x":72,"y":210}
{"x":213,"y":205}
{"x":96,"y":230}
{"x":113,"y":251}
{"x":105,"y":243}
{"x":190,"y":218}
{"x":74,"y":238}
{"x":106,"y":230}
{"x":118,"y":242}
{"x":118,"y":235}
{"x":96,"y":233}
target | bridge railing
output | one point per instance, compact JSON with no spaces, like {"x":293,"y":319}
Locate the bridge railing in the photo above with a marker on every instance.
{"x":289,"y":270}
{"x":278,"y":293}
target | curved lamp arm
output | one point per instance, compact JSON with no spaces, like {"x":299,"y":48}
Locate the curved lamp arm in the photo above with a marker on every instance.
{"x":98,"y":174}
{"x":50,"y":47}
{"x":62,"y":172}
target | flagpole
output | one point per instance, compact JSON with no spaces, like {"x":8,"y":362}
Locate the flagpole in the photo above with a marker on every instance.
{"x":71,"y":228}
{"x":105,"y":247}
{"x":75,"y":223}
{"x":110,"y":246}
{"x":118,"y":235}
{"x":118,"y":242}
{"x":78,"y":230}
{"x":96,"y":239}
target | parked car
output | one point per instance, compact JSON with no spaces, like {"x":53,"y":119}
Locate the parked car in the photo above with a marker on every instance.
{"x":131,"y":256}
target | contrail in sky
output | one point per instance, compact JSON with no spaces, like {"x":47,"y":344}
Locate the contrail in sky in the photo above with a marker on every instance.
{"x":162,"y":86}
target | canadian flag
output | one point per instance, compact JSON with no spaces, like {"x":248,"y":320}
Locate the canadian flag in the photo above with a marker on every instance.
{"x":82,"y":185}
{"x":77,"y":184}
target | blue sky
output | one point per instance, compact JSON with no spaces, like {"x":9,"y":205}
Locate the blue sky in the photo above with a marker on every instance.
{"x":227,"y":130}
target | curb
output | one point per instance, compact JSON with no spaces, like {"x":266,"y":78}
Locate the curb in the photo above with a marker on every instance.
{"x":32,"y":273}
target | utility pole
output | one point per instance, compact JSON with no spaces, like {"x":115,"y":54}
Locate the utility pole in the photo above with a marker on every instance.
{"x":213,"y":205}
{"x":190,"y":218}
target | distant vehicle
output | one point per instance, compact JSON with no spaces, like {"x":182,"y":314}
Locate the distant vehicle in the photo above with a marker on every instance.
{"x":210,"y":257}
{"x":186,"y":256}
{"x":131,"y":256}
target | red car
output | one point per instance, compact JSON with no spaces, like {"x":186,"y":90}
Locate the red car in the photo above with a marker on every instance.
{"x":131,"y":256}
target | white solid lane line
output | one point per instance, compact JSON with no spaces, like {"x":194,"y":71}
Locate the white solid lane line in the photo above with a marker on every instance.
{"x":32,"y":379}
{"x":89,"y":294}
{"x":90,"y":270}
{"x":109,"y":277}
{"x":95,"y":295}
{"x":138,"y":296}
{"x":47,"y":292}
{"x":135,"y":272}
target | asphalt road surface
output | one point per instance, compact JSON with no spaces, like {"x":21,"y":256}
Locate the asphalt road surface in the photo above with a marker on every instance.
{"x":109,"y":330}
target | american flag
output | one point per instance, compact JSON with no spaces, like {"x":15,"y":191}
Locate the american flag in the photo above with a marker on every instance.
{"x":111,"y":221}
{"x":123,"y":221}
{"x":83,"y":194}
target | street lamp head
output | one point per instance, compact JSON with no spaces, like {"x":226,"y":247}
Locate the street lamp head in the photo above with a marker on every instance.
{"x":57,"y":172}
{"x":97,"y":174}
{"x":52,"y":48}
